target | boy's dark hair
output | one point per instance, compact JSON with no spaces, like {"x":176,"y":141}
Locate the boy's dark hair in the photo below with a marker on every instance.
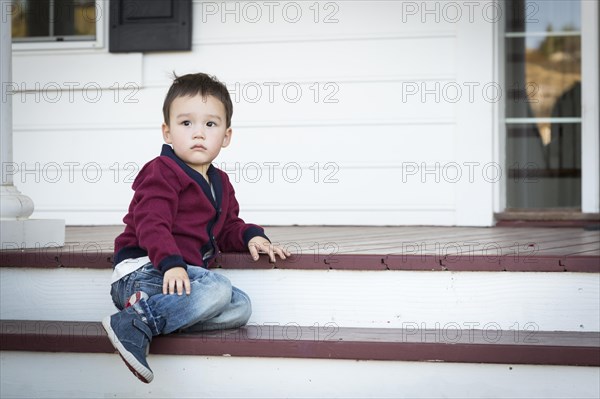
{"x":198,"y":84}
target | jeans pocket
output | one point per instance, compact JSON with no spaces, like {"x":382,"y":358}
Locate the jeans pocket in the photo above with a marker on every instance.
{"x":146,"y":279}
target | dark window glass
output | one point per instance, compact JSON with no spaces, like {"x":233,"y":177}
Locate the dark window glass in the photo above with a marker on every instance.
{"x":53,"y":20}
{"x":543,"y":104}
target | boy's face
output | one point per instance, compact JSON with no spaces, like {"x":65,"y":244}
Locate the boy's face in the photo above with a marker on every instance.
{"x":197,"y":130}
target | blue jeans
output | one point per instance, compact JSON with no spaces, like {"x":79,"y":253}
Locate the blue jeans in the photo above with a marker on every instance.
{"x":213,"y":303}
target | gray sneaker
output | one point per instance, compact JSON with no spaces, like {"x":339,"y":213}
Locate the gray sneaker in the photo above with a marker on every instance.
{"x":131,"y":336}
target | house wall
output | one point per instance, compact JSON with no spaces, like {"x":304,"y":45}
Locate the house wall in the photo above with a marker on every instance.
{"x":345,"y":113}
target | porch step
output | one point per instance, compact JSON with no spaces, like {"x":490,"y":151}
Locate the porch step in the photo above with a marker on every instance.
{"x":391,"y":323}
{"x":347,"y":298}
{"x":324,"y":342}
{"x":425,"y":248}
{"x":96,"y":375}
{"x":56,"y":359}
{"x":521,"y":259}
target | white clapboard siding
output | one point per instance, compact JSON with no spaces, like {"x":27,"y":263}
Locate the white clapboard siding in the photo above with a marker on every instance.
{"x":343,"y":194}
{"x":338,"y":19}
{"x":386,"y":299}
{"x":31,"y":374}
{"x":354,"y":104}
{"x":311,"y":60}
{"x":75,"y":72}
{"x":278,"y":202}
{"x":389,"y":95}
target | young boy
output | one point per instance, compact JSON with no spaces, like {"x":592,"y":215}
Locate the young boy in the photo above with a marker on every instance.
{"x":183,"y":213}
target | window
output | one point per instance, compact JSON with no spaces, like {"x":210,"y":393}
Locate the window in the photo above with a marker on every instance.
{"x":543,"y":105}
{"x":53,"y":20}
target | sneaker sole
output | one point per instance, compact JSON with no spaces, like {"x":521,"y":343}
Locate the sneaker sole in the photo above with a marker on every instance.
{"x":138,"y":369}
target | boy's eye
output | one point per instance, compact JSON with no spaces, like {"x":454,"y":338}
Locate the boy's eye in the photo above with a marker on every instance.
{"x":186,"y":123}
{"x":211,"y":124}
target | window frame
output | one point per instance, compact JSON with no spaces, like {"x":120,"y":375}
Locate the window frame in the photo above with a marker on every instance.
{"x":589,"y":120}
{"x":590,"y":100}
{"x":99,"y":43}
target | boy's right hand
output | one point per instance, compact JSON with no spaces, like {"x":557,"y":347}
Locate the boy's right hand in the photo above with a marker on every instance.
{"x":176,"y":280}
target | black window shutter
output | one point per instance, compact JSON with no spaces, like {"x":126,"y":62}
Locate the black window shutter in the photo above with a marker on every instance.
{"x":150,"y":25}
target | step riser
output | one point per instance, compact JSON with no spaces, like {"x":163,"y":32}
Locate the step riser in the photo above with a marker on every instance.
{"x":397,"y":299}
{"x":26,"y":374}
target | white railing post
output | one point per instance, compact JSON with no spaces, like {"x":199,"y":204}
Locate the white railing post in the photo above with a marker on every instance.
{"x":16,"y":229}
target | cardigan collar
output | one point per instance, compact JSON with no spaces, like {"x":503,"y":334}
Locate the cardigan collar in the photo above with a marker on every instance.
{"x":212,"y":173}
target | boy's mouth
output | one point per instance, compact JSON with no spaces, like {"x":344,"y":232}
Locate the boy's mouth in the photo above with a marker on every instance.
{"x":199,"y":147}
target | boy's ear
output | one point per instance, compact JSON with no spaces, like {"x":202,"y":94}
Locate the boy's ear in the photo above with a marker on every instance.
{"x":166,"y":133}
{"x":227,"y":138}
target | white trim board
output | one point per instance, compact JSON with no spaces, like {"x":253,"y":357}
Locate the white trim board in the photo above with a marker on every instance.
{"x":38,"y":374}
{"x":379,"y":299}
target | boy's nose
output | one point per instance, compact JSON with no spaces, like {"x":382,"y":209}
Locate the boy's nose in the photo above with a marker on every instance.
{"x":199,"y":133}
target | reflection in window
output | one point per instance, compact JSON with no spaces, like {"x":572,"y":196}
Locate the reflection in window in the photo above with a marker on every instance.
{"x":53,"y":20}
{"x":543,"y":107}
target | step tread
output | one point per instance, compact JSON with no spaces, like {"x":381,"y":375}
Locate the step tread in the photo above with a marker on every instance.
{"x":361,"y":248}
{"x":548,"y":263}
{"x":325,"y":342}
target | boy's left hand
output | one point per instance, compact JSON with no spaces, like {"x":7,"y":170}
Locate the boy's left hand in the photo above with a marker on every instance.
{"x":259,"y":244}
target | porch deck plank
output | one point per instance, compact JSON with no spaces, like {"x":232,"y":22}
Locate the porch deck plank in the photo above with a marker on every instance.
{"x":441,"y":237}
{"x":595,"y":252}
{"x":568,"y":250}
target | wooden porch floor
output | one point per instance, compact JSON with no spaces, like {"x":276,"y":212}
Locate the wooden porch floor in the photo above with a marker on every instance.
{"x":366,"y":247}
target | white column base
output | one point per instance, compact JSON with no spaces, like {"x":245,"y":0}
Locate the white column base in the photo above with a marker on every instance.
{"x":14,"y":205}
{"x":32,"y":233}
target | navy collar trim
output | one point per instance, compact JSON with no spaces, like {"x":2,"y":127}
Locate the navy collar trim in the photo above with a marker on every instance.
{"x":212,"y":173}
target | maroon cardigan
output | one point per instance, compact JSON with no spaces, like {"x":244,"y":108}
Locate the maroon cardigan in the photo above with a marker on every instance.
{"x":174,"y":219}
